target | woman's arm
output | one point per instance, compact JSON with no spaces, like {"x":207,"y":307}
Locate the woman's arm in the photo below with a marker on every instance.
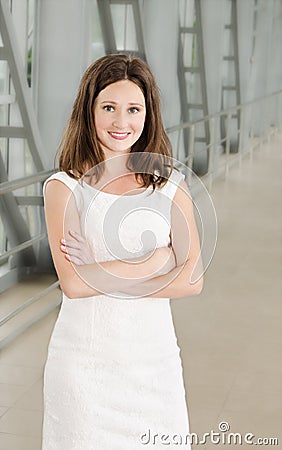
{"x":186,"y":278}
{"x":97,"y":278}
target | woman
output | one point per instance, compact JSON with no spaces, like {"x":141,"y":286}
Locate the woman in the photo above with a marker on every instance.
{"x":113,"y":376}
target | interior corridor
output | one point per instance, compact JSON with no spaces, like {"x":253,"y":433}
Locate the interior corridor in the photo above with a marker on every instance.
{"x":230,"y":335}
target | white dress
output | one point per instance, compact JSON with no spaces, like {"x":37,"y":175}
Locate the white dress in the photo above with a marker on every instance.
{"x":113,"y":376}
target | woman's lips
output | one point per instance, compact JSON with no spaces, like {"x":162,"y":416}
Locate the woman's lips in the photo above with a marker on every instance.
{"x":119,"y":136}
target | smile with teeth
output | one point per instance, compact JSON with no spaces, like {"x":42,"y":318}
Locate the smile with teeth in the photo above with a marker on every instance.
{"x":117,"y":135}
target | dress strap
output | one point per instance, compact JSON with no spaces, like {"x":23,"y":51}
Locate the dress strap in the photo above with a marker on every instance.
{"x":172,"y":184}
{"x":71,"y":183}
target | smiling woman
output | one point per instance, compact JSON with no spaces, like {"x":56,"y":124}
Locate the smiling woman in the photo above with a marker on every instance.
{"x":81,"y":149}
{"x":113,"y":369}
{"x":119,"y":114}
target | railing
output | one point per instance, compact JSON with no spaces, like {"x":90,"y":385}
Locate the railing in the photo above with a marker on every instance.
{"x":6,"y":187}
{"x":23,"y":327}
{"x":259,"y":119}
{"x":267,"y":108}
{"x":10,"y":186}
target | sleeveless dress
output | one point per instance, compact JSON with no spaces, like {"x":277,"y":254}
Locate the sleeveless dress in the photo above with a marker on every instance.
{"x":113,"y":375}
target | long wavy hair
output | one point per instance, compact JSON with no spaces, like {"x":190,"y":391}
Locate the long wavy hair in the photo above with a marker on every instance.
{"x":80,"y":149}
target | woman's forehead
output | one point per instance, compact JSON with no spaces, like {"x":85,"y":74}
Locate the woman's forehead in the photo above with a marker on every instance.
{"x":121,"y":91}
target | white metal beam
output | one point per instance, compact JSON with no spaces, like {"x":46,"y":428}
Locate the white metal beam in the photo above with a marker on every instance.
{"x":11,"y":53}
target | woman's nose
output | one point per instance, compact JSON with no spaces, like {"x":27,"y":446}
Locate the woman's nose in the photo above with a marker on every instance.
{"x":120,"y":120}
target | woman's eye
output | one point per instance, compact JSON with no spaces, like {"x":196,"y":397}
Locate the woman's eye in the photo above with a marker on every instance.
{"x":133,"y":110}
{"x":108,"y":108}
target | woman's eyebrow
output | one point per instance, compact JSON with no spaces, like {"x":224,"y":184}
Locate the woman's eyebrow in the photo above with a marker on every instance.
{"x":115,"y":103}
{"x":136,"y":103}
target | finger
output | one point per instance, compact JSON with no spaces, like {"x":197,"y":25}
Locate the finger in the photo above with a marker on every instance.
{"x":76,"y":236}
{"x":66,"y":249}
{"x":72,"y":244}
{"x":73,"y":252}
{"x":74,"y":260}
{"x":63,"y":249}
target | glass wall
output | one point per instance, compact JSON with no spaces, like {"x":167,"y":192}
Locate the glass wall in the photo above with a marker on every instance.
{"x":57,"y":40}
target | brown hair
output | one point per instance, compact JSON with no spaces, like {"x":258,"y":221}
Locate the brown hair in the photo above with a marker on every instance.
{"x":80,"y":148}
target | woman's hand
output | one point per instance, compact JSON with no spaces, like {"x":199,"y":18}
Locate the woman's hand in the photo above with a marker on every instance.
{"x":77,"y":250}
{"x":166,"y":260}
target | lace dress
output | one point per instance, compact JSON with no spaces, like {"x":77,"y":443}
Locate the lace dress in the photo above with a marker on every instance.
{"x":113,"y":376}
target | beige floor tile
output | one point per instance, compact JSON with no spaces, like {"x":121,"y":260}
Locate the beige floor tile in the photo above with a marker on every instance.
{"x":206,"y":395}
{"x":13,"y":442}
{"x":256,"y":390}
{"x":16,"y":353}
{"x":31,"y":311}
{"x":20,"y":375}
{"x":254,"y":402}
{"x":3,"y":409}
{"x":264,"y":353}
{"x":32,"y":398}
{"x":22,"y":422}
{"x":27,"y":288}
{"x":10,"y":393}
{"x":201,"y":421}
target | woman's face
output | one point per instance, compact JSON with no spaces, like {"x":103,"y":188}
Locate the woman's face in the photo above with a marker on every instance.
{"x":119,"y":114}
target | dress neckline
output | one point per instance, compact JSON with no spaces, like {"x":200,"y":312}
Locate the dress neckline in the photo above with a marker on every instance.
{"x":145,"y":191}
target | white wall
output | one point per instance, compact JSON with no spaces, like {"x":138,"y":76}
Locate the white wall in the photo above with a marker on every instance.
{"x":160,"y":25}
{"x":63,"y":46}
{"x":213,"y":15}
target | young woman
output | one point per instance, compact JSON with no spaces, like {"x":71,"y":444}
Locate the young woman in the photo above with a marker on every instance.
{"x":124,"y":241}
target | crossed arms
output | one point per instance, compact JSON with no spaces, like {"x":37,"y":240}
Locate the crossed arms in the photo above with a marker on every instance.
{"x":167,"y":272}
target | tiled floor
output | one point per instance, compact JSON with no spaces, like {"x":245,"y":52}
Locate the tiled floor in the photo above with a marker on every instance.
{"x":230,"y":335}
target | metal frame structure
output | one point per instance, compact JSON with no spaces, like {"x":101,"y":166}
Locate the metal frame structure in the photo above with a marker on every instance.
{"x":272,"y":104}
{"x":228,"y":91}
{"x":186,"y":105}
{"x":10,"y":53}
{"x":16,"y":229}
{"x":107,"y":26}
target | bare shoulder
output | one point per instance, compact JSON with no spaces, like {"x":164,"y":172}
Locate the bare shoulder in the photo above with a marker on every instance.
{"x":56,"y":187}
{"x":56,"y":194}
{"x":182,"y":196}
